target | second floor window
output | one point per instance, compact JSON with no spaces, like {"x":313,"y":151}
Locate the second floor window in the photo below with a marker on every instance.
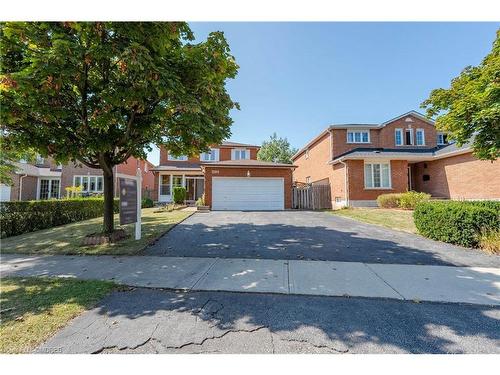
{"x":240,"y":154}
{"x":442,"y":139}
{"x":398,"y":137}
{"x":212,"y":155}
{"x":361,"y":136}
{"x":177,"y":158}
{"x":420,"y":137}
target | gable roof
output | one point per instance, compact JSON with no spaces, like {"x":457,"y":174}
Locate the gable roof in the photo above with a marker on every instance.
{"x":236,"y":144}
{"x":361,"y":126}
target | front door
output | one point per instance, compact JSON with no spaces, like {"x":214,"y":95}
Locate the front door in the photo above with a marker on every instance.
{"x":194,"y":188}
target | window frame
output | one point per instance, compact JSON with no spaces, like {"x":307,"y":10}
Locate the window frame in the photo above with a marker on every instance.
{"x":177,"y":158}
{"x":412,"y":138}
{"x":420,"y":130}
{"x":400,"y":131}
{"x":442,"y":135}
{"x":234,"y":150}
{"x":88,"y":177}
{"x":213,"y":151}
{"x":360,"y":133}
{"x":381,"y":165}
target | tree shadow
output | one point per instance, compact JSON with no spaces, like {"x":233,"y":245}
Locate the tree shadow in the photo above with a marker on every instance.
{"x":302,"y":323}
{"x":326,"y":237}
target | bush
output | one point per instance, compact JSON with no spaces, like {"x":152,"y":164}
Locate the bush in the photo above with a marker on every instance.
{"x":179,"y":194}
{"x":147,"y":203}
{"x":410,"y":199}
{"x":201,"y":200}
{"x":489,"y":240}
{"x":28,"y":216}
{"x":388,"y":200}
{"x":456,"y":222}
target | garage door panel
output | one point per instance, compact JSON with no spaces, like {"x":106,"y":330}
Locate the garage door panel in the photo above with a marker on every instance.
{"x":250,"y":193}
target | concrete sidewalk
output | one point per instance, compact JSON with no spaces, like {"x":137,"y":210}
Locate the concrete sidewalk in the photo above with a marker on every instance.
{"x":476,"y":285}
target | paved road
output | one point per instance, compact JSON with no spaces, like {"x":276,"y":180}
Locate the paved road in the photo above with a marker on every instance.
{"x":309,"y":236}
{"x":476,"y":285}
{"x":155,"y":321}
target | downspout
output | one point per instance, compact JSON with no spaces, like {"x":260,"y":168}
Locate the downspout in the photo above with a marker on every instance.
{"x":346,"y":184}
{"x":21,"y":185}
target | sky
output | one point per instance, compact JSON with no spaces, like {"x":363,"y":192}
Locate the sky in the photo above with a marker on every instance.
{"x":295,"y":79}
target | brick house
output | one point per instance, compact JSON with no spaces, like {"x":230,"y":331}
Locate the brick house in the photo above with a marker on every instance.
{"x":229,"y":177}
{"x":46,"y":179}
{"x":362,"y":161}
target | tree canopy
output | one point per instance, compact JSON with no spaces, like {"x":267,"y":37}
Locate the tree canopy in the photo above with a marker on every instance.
{"x":470,"y":109}
{"x":277,"y":150}
{"x":100,"y":92}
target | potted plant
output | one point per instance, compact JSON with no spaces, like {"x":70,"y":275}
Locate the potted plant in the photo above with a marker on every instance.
{"x":200,"y":204}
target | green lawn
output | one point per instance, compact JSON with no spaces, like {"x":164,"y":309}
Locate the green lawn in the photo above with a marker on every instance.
{"x":390,"y":218}
{"x":67,"y":239}
{"x":33,"y":309}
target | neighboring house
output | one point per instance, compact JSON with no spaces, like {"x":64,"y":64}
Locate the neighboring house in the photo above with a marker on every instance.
{"x":46,"y":179}
{"x":229,"y":177}
{"x":362,"y":161}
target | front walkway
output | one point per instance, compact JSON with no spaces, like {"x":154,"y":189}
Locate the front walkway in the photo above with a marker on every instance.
{"x":476,"y":285}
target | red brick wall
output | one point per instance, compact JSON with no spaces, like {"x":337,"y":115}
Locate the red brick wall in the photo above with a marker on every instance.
{"x":315,"y":165}
{"x":224,"y":154}
{"x":459,"y":177}
{"x":338,"y":183}
{"x":130,"y":168}
{"x":386,"y":137}
{"x":356,"y":177}
{"x":286,"y":173}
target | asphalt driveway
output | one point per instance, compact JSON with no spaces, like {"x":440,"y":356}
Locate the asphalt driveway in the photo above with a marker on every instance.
{"x":307,"y":235}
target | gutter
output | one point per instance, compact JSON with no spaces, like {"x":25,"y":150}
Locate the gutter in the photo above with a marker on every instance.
{"x":21,"y":185}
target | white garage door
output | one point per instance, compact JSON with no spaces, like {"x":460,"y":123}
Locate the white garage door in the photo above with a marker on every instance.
{"x":252,"y":193}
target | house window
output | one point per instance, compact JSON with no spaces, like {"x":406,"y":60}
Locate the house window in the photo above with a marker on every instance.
{"x":420,"y":135}
{"x":409,"y":137}
{"x":176,"y":181}
{"x":49,"y":188}
{"x":89,"y":184}
{"x":442,"y":139}
{"x":177,"y":158}
{"x":377,"y":176}
{"x":212,"y":155}
{"x":398,"y":137}
{"x":362,"y":136}
{"x":164,"y":184}
{"x":240,"y":154}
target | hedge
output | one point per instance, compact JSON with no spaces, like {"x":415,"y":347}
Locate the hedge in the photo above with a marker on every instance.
{"x":456,"y":222}
{"x":406,"y":201}
{"x":28,"y":216}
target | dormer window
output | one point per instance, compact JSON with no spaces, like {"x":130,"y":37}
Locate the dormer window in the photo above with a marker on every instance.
{"x":177,"y":158}
{"x":240,"y":154}
{"x":212,"y":155}
{"x":358,"y":136}
{"x":442,"y":139}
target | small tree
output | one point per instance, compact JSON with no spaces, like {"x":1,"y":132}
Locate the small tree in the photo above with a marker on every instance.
{"x":277,"y":150}
{"x":100,"y":92}
{"x":470,"y":108}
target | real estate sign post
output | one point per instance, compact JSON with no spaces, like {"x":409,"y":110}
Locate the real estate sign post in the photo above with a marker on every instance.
{"x":130,"y":201}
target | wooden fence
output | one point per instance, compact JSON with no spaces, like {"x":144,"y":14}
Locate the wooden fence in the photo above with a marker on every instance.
{"x":311,"y":197}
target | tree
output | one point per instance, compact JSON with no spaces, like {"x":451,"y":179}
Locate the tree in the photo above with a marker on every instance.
{"x":100,"y":92}
{"x":277,"y":150}
{"x":8,"y":157}
{"x":470,"y":109}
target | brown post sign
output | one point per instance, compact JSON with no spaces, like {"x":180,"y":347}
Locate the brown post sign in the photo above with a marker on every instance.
{"x":128,"y":201}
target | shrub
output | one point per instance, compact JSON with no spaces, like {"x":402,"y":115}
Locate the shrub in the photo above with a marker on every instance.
{"x":489,"y":240}
{"x":410,"y":199}
{"x":179,"y":194}
{"x":147,"y":202}
{"x":388,"y":200}
{"x":455,"y":222}
{"x":201,"y":200}
{"x":28,"y":216}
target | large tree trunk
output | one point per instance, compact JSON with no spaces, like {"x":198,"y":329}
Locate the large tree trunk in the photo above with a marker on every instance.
{"x":108,"y":226}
